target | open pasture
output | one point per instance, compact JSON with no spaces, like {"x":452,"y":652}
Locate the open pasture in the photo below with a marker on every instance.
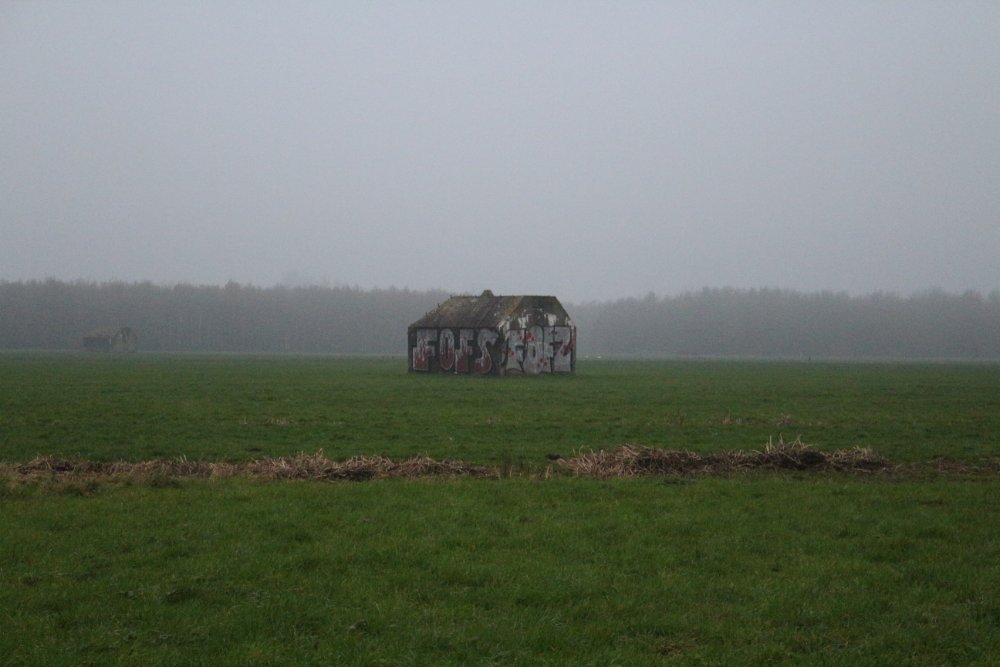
{"x":768,"y":568}
{"x":237,"y":408}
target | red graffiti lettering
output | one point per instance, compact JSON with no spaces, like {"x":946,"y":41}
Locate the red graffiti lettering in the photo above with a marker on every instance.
{"x":446,"y":350}
{"x":484,"y":363}
{"x":424,"y":350}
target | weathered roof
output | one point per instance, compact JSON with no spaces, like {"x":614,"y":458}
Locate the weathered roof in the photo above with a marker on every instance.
{"x":488,"y":310}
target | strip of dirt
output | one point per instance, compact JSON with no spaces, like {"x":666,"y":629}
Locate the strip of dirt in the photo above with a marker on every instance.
{"x":626,"y":461}
{"x":303,"y":466}
{"x":637,"y":461}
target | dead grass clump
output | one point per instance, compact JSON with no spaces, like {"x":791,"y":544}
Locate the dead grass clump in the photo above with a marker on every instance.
{"x":633,"y":461}
{"x":302,"y":466}
{"x":360,"y":468}
{"x":637,"y":460}
{"x":79,"y":476}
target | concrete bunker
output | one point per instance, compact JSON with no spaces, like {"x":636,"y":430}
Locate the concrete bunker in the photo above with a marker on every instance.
{"x":493,"y":335}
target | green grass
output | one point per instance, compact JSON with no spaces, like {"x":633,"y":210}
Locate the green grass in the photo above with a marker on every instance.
{"x":569,"y":571}
{"x":760,"y":569}
{"x":237,"y":408}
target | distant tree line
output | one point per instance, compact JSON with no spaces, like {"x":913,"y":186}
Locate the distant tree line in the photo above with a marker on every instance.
{"x":55,"y":315}
{"x":789,"y":324}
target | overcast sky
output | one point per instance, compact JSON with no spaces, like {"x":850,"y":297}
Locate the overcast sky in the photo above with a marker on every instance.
{"x":591,"y":150}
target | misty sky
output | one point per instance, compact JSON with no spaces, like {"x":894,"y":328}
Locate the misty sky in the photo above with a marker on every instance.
{"x":590,"y":150}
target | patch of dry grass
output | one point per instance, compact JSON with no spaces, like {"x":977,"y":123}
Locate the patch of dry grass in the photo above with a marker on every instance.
{"x":626,"y":461}
{"x":637,"y":460}
{"x":302,"y":466}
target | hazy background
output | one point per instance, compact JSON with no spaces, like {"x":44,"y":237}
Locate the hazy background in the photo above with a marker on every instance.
{"x":588,"y":150}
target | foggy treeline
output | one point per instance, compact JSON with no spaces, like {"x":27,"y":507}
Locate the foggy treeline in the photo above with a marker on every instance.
{"x":234,"y":318}
{"x":55,"y":315}
{"x":780,"y":323}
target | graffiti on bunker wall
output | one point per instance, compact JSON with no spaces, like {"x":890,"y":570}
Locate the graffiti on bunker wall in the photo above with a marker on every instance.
{"x":530,"y":350}
{"x":540,"y":350}
{"x":469,"y":350}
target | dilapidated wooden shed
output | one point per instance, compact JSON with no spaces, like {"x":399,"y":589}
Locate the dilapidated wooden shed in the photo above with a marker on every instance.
{"x":111,"y":340}
{"x":494,"y":335}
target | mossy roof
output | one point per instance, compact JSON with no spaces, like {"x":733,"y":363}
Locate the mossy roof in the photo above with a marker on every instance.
{"x":489,"y":310}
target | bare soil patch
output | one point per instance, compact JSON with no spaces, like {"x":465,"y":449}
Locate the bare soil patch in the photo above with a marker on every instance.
{"x":626,"y":461}
{"x":302,"y":466}
{"x":638,"y":460}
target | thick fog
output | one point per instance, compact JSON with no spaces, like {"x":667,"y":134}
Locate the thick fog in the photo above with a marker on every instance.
{"x":584,"y":149}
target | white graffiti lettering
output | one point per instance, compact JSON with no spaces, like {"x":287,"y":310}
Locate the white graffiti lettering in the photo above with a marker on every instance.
{"x":561,"y":341}
{"x":531,"y":350}
{"x":424,"y":349}
{"x":446,"y":350}
{"x":539,"y":350}
{"x":484,"y":363}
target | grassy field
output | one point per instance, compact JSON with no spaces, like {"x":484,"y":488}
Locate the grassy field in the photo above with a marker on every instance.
{"x":237,"y":408}
{"x":564,"y":572}
{"x":767,"y":568}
